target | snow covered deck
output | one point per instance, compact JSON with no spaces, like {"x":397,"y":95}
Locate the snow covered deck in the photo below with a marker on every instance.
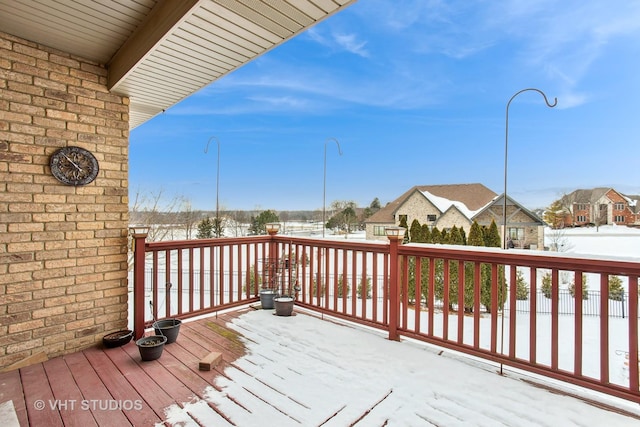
{"x":292,"y":371}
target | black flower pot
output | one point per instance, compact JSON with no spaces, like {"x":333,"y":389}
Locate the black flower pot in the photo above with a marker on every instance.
{"x":170,"y":328}
{"x":116,"y":339}
{"x":151,"y":347}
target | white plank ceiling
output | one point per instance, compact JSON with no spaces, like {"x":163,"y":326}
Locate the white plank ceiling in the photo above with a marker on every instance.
{"x":159,"y":52}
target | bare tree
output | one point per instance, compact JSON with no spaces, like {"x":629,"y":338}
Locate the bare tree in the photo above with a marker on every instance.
{"x":189,"y":218}
{"x":558,"y":240}
{"x":236,"y":223}
{"x":162,"y":215}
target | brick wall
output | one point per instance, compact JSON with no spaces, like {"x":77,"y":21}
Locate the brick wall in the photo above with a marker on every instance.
{"x":63,"y":249}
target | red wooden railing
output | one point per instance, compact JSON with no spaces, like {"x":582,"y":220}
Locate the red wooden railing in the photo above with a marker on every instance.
{"x":462,"y":298}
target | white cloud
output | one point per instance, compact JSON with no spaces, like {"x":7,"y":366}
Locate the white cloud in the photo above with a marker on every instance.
{"x":350,"y":43}
{"x":339,"y":42}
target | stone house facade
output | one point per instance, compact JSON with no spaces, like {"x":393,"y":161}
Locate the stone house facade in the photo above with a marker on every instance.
{"x":445,"y":206}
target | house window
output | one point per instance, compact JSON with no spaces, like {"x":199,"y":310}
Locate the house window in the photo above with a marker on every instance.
{"x":619,"y":206}
{"x":581,"y":218}
{"x":379,"y":230}
{"x":431,"y":218}
{"x":581,"y":206}
{"x":619,"y":218}
{"x":402,"y":217}
{"x":516,"y":233}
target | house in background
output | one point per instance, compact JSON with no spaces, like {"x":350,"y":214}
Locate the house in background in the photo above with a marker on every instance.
{"x":599,"y":206}
{"x":445,"y":206}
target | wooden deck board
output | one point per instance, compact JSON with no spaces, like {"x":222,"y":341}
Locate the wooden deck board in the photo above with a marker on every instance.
{"x":38,"y":397}
{"x":67,"y":394}
{"x":120,"y":387}
{"x":11,"y":389}
{"x":96,"y":395}
{"x":169,"y":383}
{"x":153,"y":394}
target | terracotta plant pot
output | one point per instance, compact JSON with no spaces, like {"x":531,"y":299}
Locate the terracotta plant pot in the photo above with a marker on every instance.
{"x":151,"y":347}
{"x":283,"y":305}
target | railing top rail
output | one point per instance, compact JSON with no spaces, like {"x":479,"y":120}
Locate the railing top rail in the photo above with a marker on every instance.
{"x":579,"y":262}
{"x":372,"y":246}
{"x":203,"y":243}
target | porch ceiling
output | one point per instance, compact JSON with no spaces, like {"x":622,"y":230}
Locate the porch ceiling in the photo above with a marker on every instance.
{"x":159,"y":52}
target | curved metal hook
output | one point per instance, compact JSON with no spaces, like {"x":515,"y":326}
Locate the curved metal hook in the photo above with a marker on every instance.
{"x":506,"y":145}
{"x":337,"y":143}
{"x":207,"y":147}
{"x":555,"y":100}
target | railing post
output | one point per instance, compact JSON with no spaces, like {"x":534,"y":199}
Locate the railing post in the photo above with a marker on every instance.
{"x":272,"y":229}
{"x":139,"y":236}
{"x":395,"y":236}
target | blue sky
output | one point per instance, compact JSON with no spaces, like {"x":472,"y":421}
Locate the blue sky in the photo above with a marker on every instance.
{"x":415,"y":92}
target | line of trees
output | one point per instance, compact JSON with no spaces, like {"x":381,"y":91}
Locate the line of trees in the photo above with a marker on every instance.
{"x":478,"y":236}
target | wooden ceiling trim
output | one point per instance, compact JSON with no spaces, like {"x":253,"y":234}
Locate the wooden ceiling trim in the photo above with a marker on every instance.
{"x":157,"y":26}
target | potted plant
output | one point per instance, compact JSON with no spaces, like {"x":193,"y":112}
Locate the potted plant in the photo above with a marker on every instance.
{"x":151,"y":347}
{"x":118,"y":338}
{"x":169,"y":328}
{"x":266,"y":298}
{"x":284,"y":303}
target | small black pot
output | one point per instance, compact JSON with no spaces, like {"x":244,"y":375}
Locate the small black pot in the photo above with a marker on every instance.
{"x":116,"y":339}
{"x":151,"y":347}
{"x":170,"y":328}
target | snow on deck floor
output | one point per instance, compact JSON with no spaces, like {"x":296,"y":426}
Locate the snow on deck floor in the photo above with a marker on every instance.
{"x":304,"y":371}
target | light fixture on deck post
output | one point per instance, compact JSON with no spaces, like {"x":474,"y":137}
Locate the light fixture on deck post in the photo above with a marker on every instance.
{"x":324,"y":182}
{"x":395,"y":236}
{"x":272,"y":228}
{"x":139,"y":230}
{"x":506,"y":145}
{"x":395,"y":233}
{"x":217,"y":223}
